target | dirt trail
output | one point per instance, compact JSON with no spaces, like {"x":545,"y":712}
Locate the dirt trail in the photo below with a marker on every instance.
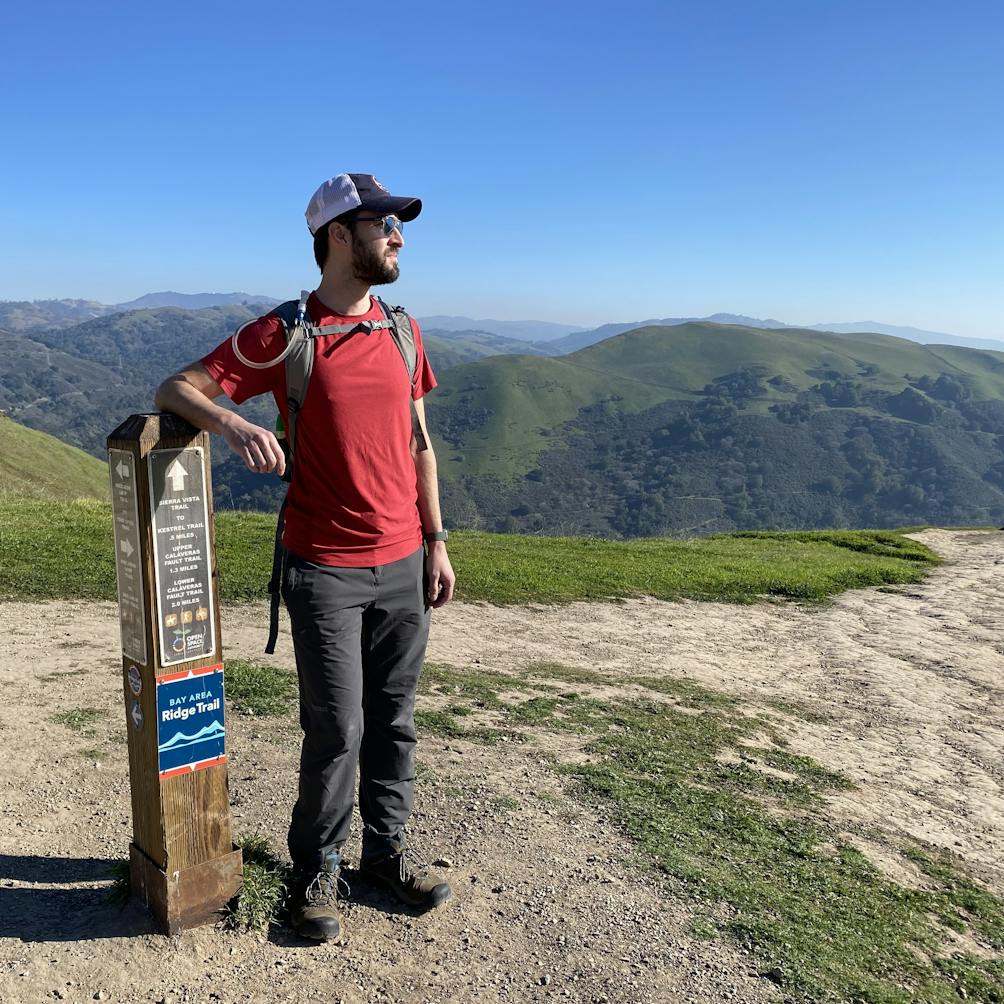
{"x":551,"y":904}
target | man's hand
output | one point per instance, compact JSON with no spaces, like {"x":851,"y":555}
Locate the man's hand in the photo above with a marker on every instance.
{"x":257,"y":447}
{"x":190,"y":393}
{"x":440,"y":578}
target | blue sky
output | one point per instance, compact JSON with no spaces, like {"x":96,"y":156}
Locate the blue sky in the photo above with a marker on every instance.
{"x":581,"y":162}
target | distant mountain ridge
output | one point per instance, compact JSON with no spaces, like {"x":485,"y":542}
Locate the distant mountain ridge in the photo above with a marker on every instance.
{"x":583,"y":339}
{"x":547,"y":337}
{"x":193,"y":301}
{"x":554,"y":343}
{"x":911,"y":334}
{"x":526,"y":331}
{"x":23,"y":316}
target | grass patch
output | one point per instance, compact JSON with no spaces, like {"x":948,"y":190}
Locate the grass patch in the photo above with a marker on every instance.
{"x":262,"y":898}
{"x":424,"y":774}
{"x":734,"y":568}
{"x":259,"y":690}
{"x":565,"y":674}
{"x":52,"y":677}
{"x":64,"y":550}
{"x":34,"y":463}
{"x":732,"y":822}
{"x":686,"y":692}
{"x":120,"y":890}
{"x":445,"y":725}
{"x":81,"y":720}
{"x":796,"y":709}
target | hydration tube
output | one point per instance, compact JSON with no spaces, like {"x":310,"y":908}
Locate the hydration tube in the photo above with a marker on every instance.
{"x":298,"y":333}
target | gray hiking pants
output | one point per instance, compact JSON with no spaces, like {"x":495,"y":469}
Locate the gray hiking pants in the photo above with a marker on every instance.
{"x":359,"y":635}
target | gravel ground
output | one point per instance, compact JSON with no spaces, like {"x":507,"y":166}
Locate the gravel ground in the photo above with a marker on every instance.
{"x":551,"y":902}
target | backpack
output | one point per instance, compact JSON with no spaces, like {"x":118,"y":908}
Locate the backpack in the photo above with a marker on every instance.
{"x":298,"y":359}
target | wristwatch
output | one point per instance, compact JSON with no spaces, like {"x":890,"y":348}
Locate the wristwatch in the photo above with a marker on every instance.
{"x":438,"y":535}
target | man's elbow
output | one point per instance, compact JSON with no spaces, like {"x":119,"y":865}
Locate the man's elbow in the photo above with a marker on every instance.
{"x":166,"y":394}
{"x":425,"y":456}
{"x":160,"y":396}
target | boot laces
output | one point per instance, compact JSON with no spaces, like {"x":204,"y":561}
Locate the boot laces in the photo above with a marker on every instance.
{"x":325,"y":888}
{"x":413,"y":863}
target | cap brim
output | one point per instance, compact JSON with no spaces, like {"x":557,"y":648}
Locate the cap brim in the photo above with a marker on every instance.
{"x":401,"y":206}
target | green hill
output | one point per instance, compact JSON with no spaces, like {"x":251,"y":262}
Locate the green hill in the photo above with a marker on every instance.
{"x":499,"y":414}
{"x":705,"y":428}
{"x":33,"y":463}
{"x":78,"y":383}
{"x":686,"y":429}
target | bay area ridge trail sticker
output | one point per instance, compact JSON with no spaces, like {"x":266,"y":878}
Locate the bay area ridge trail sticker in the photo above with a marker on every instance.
{"x":191,"y":732}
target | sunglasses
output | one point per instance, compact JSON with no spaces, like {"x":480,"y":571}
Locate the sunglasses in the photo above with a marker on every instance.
{"x":390,"y":223}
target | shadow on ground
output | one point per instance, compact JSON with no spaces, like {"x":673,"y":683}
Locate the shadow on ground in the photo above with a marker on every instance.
{"x":44,"y":912}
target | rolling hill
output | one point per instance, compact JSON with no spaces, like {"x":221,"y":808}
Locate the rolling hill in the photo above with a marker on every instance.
{"x":695,"y":427}
{"x":706,"y":427}
{"x":529,"y":398}
{"x":581,"y":339}
{"x":78,"y":382}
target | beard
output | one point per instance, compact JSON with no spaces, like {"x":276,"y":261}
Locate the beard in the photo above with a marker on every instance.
{"x":372,"y":267}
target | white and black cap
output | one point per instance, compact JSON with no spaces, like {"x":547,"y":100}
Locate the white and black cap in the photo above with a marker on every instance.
{"x":345,"y":192}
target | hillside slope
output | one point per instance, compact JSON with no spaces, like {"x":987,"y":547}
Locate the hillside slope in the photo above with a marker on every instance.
{"x":708,"y":428}
{"x":500,"y":413}
{"x":33,"y":463}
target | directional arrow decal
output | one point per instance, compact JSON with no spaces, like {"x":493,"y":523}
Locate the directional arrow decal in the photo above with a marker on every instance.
{"x":126,"y":548}
{"x":122,"y":470}
{"x":176,"y":474}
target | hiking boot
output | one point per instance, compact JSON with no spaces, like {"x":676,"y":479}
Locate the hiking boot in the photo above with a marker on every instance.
{"x":409,"y":878}
{"x":313,"y":911}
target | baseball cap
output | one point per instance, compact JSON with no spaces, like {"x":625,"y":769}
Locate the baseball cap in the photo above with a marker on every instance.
{"x":345,"y":192}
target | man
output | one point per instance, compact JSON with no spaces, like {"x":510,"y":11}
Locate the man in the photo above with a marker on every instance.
{"x":363,"y":496}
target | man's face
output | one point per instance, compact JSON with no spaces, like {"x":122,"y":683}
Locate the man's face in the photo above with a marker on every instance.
{"x":374,"y":254}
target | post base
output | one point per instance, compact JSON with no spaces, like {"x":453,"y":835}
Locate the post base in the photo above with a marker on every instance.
{"x":189,"y":898}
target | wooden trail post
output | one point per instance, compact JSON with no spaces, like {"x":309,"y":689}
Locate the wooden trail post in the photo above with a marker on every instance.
{"x":182,"y":860}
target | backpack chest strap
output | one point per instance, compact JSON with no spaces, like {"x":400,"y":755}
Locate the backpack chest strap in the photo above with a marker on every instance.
{"x":367,"y":327}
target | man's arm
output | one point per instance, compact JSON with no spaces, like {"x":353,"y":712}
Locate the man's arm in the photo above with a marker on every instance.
{"x":190,"y":392}
{"x":441,"y":577}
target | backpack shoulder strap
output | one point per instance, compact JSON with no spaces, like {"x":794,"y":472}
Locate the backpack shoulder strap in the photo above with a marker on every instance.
{"x":404,"y":338}
{"x":403,"y":335}
{"x":298,"y":365}
{"x":286,"y":312}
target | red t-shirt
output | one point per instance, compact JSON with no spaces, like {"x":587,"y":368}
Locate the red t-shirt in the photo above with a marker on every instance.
{"x":354,"y":499}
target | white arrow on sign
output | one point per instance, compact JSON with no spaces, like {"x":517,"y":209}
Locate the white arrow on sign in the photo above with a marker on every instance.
{"x":122,"y":470}
{"x":126,"y":548}
{"x":137,"y":715}
{"x":176,"y":474}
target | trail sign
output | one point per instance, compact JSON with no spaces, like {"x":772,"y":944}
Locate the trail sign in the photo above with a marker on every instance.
{"x":180,"y":514}
{"x":182,"y":860}
{"x":128,"y":563}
